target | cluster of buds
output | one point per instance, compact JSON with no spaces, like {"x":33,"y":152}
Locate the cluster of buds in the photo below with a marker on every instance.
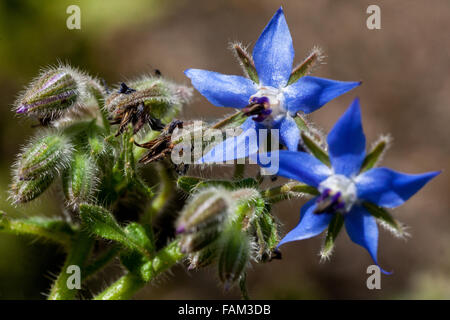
{"x":66,"y":101}
{"x":230,"y":227}
{"x":58,"y":93}
{"x":150,"y":100}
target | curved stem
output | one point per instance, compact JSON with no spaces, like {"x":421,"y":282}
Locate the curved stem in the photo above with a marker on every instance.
{"x":122,"y":289}
{"x":129,"y":284}
{"x":78,"y":254}
{"x":165,"y":192}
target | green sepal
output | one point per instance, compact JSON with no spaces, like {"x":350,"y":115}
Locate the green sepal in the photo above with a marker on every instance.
{"x":333,"y":230}
{"x":234,"y":254}
{"x":305,"y":67}
{"x":287,"y":190}
{"x":266,"y":234}
{"x":374,"y":155}
{"x":246,"y":62}
{"x":234,"y":120}
{"x":315,"y":149}
{"x":386,"y":218}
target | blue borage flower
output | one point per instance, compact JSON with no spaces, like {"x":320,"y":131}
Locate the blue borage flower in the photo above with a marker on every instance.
{"x":273,"y":56}
{"x":343,"y":188}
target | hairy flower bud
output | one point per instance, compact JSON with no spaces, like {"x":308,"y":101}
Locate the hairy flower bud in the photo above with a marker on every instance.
{"x":45,"y":155}
{"x":234,"y":256}
{"x":202,"y":219}
{"x":54,"y":91}
{"x":204,"y":257}
{"x":80,"y":180}
{"x":265,"y":233}
{"x":22,"y":191}
{"x":207,"y":208}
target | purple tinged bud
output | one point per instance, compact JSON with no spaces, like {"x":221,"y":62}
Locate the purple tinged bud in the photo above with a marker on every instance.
{"x":180,"y":229}
{"x":52,"y":92}
{"x":22,"y":109}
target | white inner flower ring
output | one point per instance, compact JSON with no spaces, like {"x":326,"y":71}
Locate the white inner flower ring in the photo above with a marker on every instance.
{"x":340,"y":183}
{"x":276,"y":101}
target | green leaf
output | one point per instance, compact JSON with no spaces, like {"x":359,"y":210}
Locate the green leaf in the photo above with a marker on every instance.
{"x":138,"y":233}
{"x":374,"y":155}
{"x":45,"y":228}
{"x":102,"y":223}
{"x":334,"y":228}
{"x":386,"y":218}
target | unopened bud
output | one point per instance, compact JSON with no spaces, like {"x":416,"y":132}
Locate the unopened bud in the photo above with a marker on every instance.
{"x":22,"y":191}
{"x":80,"y":180}
{"x":204,"y":257}
{"x":265,"y":232}
{"x":207,"y":208}
{"x":235,"y":252}
{"x":52,"y":92}
{"x":202,"y":219}
{"x":43,"y":156}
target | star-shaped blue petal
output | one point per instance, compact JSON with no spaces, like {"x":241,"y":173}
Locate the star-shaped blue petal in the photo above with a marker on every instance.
{"x":273,"y":56}
{"x":380,"y":186}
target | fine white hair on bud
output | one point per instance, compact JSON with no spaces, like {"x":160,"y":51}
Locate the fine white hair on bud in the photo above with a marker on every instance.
{"x":203,"y":218}
{"x":56,"y":90}
{"x":46,"y":154}
{"x":38,"y":164}
{"x":80,"y":180}
{"x":22,"y":191}
{"x":235,"y":253}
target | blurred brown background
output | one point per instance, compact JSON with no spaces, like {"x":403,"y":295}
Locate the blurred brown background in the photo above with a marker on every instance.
{"x":406,"y":92}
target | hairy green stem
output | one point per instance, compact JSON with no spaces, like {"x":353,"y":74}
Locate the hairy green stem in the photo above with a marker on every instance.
{"x":130,"y":283}
{"x":122,"y":289}
{"x":78,"y":254}
{"x":24,"y":227}
{"x":166,"y":190}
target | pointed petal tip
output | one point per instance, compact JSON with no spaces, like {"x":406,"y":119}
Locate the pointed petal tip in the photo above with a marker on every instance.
{"x":280,"y":10}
